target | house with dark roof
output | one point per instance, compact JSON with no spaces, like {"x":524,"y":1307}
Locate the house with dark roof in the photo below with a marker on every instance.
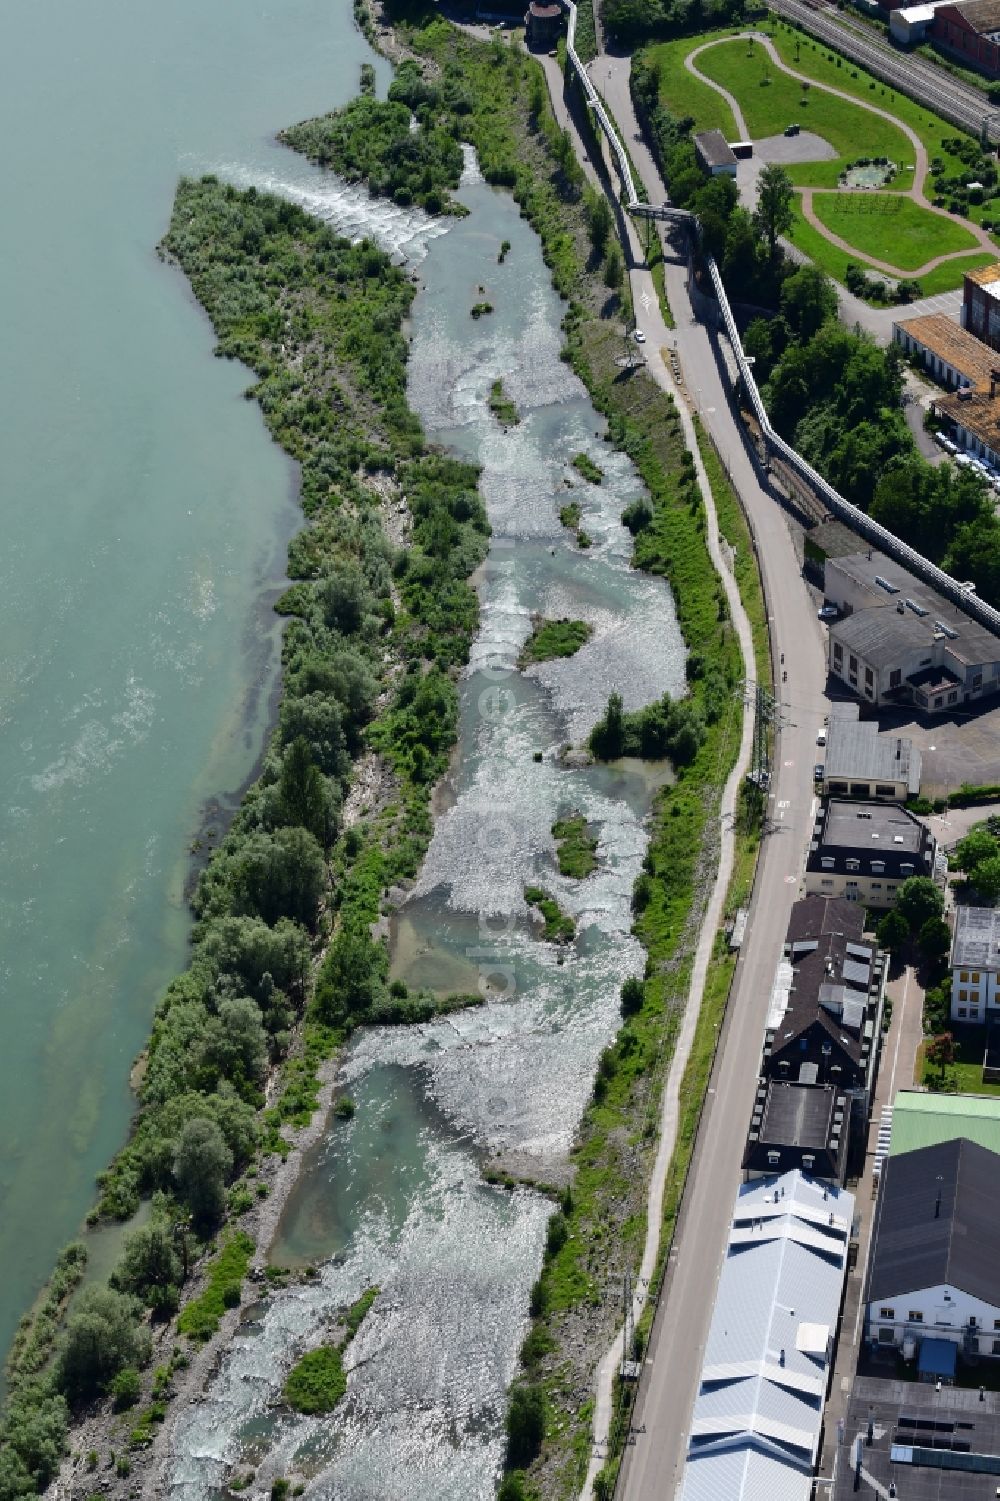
{"x":823,"y":1037}
{"x":714,"y":153}
{"x":865,"y":851}
{"x":933,"y":1271}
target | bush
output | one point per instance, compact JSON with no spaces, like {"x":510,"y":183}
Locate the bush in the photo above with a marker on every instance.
{"x":525,"y":1425}
{"x":317,"y":1382}
{"x":103,"y":1336}
{"x":633,"y":994}
{"x":126,"y":1389}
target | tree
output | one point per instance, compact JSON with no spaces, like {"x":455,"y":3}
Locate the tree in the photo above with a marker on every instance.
{"x":917,"y":900}
{"x":942,"y":1053}
{"x":808,"y":299}
{"x":892,"y":932}
{"x":148,"y":1262}
{"x":249,"y":952}
{"x":607,"y":738}
{"x":353,"y":976}
{"x":235,"y":1043}
{"x":525,"y":1425}
{"x":974,"y":849}
{"x":934,"y":938}
{"x":986,"y":879}
{"x":103,"y":1336}
{"x":278,"y":875}
{"x":614,"y":270}
{"x":341,"y":596}
{"x":303,"y":797}
{"x":32,"y":1438}
{"x":599,"y":221}
{"x":773,"y":215}
{"x":201,"y":1163}
{"x":632,"y":996}
{"x":318,"y":719}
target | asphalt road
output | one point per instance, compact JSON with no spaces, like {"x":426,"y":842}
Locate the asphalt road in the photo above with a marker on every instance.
{"x":653,"y":1465}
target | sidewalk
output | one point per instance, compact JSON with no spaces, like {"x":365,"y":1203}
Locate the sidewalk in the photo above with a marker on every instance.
{"x":899,"y":1053}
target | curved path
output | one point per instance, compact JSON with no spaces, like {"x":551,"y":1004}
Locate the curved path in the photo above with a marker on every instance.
{"x":914,"y":191}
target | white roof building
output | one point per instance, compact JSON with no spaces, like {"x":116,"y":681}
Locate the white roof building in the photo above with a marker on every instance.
{"x":755,"y":1428}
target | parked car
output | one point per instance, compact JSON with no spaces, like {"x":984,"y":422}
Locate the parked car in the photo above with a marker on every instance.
{"x":963,"y":461}
{"x":821,"y":735}
{"x":791,"y":130}
{"x":639,"y":336}
{"x":828,"y":612}
{"x":818,"y":771}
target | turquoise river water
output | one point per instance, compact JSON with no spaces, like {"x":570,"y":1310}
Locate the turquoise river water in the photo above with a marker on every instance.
{"x":145,"y":515}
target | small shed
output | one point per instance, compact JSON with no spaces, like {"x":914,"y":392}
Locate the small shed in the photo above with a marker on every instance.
{"x":714,"y":153}
{"x":542,"y":24}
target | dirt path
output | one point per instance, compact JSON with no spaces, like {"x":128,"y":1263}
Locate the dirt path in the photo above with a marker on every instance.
{"x":914,"y":191}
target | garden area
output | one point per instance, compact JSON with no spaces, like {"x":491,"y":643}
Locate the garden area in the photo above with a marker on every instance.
{"x":890,"y":228}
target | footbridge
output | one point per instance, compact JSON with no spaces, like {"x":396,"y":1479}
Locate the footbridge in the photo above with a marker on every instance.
{"x":664,"y":212}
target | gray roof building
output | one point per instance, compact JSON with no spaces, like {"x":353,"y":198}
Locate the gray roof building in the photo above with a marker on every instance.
{"x":714,"y":153}
{"x":865,"y":850}
{"x":937,"y":1223}
{"x":755,"y":1428}
{"x":863,"y":763}
{"x":932,"y":1445}
{"x":976,"y":944}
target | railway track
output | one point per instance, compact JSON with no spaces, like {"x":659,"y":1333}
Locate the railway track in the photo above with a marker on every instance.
{"x":961,"y":104}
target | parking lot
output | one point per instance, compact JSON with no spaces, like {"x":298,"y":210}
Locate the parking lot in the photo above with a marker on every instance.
{"x":955,"y":748}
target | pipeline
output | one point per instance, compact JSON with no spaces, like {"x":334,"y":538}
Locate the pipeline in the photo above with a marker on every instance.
{"x":859,"y":521}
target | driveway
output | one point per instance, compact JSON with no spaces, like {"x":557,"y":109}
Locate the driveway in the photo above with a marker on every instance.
{"x":955,"y":749}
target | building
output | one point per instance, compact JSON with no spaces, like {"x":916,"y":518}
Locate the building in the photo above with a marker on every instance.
{"x":920,"y":1119}
{"x":924,"y":1443}
{"x":933,"y":1268}
{"x":714,"y":153}
{"x":755,"y":1430}
{"x":865,"y":851}
{"x":900,"y":642}
{"x":798,"y":1125}
{"x":542,"y":24}
{"x":981,"y":304}
{"x":909,"y":24}
{"x":950,"y":353}
{"x":862,"y":763}
{"x":970,"y":32}
{"x":975,"y":964}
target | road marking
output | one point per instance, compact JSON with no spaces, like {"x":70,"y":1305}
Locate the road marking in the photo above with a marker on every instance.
{"x":786,"y":803}
{"x":791,"y":880}
{"x":788,"y":763}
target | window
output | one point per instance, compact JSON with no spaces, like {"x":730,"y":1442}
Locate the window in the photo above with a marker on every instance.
{"x":895,"y":677}
{"x":878,"y":867}
{"x":915,"y":1316}
{"x":774,"y":1158}
{"x":964,"y":976}
{"x":808,"y":1161}
{"x":869,"y":676}
{"x":974,"y":977}
{"x":977,"y":681}
{"x":962,"y":1011}
{"x":826,"y":861}
{"x":996,"y":1347}
{"x":907,"y":869}
{"x":996,"y":1323}
{"x":963,"y":995}
{"x":887,"y":1313}
{"x":827,"y":881}
{"x":853,"y":663}
{"x":884,"y":789}
{"x":973,"y":1321}
{"x":853,"y":864}
{"x":838,"y":653}
{"x":876,"y":885}
{"x":953,"y":698}
{"x":885,"y":1336}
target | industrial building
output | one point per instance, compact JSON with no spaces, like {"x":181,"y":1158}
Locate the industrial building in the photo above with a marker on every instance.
{"x":757,"y":1420}
{"x":918,"y":1442}
{"x":933,"y":1269}
{"x":898,"y":641}
{"x":862,"y":763}
{"x":923,"y":1119}
{"x":865,"y":851}
{"x":981,"y":304}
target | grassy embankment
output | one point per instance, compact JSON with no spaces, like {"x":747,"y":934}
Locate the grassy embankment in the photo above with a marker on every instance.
{"x":375,"y":637}
{"x":576,"y":847}
{"x":602,"y":1219}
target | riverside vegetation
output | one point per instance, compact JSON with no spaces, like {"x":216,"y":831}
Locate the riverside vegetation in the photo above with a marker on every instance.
{"x":601,"y":1217}
{"x":374,"y":638}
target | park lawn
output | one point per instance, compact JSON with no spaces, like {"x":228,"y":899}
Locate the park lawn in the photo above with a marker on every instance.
{"x":770,"y":100}
{"x":819,"y":62}
{"x":961,"y":1078}
{"x":683,"y":94}
{"x":890,"y":228}
{"x":834,"y":261}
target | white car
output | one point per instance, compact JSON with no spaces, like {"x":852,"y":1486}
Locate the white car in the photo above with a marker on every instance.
{"x":821,"y":735}
{"x":828,"y":612}
{"x":639,"y":336}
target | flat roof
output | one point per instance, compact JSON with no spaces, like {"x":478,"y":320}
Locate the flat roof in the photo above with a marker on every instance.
{"x":871,"y":826}
{"x":977,"y":937}
{"x":799,"y":1115}
{"x":920,"y":1425}
{"x":953,"y":344}
{"x":714,"y":149}
{"x":921,"y":1119}
{"x":756,"y":1423}
{"x":854,"y":748}
{"x":889,"y":585}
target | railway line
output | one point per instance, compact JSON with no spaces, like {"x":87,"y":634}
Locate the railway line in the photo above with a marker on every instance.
{"x":963,"y":105}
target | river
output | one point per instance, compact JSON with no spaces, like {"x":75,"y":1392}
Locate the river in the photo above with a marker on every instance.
{"x":396,"y":1196}
{"x":145,"y":518}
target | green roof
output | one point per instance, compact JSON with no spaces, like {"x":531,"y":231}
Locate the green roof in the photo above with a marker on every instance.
{"x":924,"y":1120}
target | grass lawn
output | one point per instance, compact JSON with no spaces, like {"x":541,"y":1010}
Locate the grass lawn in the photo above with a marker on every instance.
{"x":961,"y":1078}
{"x":817,"y":61}
{"x":834,"y":261}
{"x":683,"y":94}
{"x":771,"y":105}
{"x":890,"y":228}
